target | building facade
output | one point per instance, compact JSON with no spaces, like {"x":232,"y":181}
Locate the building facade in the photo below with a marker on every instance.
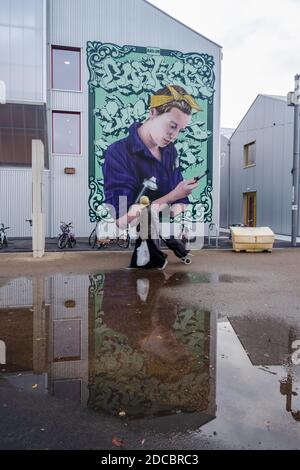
{"x":261,"y":160}
{"x":23,"y":117}
{"x":93,"y":67}
{"x":224,"y":176}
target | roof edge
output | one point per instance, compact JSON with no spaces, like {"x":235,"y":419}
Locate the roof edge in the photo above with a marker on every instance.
{"x":245,"y":115}
{"x":260,"y":95}
{"x":181,"y":23}
{"x":275,"y":97}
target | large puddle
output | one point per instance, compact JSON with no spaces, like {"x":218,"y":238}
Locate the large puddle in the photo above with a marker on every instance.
{"x":119,"y":344}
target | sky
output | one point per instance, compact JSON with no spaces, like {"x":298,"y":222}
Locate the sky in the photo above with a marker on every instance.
{"x":260,"y":41}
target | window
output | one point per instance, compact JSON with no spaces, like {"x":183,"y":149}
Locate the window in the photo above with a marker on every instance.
{"x":21,"y":49}
{"x":66,"y":137}
{"x":19,"y":124}
{"x":249,"y":154}
{"x":66,"y":68}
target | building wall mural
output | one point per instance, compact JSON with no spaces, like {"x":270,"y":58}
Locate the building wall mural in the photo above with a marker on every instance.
{"x":121,"y":81}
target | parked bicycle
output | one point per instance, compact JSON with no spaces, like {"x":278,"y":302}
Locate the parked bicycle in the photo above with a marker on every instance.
{"x":3,"y":236}
{"x":96,"y":239}
{"x":67,"y":237}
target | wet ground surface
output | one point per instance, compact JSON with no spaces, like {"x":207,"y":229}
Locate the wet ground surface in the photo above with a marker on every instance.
{"x":147,"y":357}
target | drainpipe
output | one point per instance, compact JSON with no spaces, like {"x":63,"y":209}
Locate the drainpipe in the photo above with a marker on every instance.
{"x":294,"y":100}
{"x":229,"y":193}
{"x":49,"y":116}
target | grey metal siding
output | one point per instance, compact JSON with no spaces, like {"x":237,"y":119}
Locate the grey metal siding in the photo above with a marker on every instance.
{"x":224,"y":182}
{"x":268,"y":123}
{"x":16,"y":200}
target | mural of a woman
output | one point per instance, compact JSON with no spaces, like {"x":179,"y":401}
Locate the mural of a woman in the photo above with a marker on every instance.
{"x":149,"y":152}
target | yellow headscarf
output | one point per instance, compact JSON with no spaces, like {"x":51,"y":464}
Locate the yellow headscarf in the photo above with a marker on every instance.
{"x":159,"y":100}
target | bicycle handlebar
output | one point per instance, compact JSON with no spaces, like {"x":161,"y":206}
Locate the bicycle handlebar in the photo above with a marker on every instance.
{"x":67,"y":225}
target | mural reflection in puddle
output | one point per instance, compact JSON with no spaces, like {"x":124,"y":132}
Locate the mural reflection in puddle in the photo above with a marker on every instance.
{"x":151,"y":355}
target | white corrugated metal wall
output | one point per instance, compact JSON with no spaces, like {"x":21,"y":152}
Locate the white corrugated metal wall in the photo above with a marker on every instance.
{"x":16,"y":293}
{"x":135,"y":22}
{"x":19,"y":292}
{"x":16,"y":200}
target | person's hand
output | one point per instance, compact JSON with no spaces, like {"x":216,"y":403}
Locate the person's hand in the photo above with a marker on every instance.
{"x":132,"y":215}
{"x":184,"y":188}
{"x":135,"y":210}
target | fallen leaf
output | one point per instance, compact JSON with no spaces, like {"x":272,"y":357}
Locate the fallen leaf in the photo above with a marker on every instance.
{"x":117,"y":442}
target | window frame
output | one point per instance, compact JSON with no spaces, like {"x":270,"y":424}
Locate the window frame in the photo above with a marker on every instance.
{"x":246,"y":197}
{"x":246,"y":157}
{"x":66,"y":48}
{"x":56,"y":111}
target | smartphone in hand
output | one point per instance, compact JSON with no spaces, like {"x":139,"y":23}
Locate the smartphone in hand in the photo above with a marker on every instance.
{"x":198,"y":178}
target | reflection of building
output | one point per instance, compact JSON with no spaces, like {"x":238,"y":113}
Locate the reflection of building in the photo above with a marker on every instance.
{"x":133,"y":350}
{"x":68,"y":360}
{"x":44,"y":327}
{"x":24,"y":317}
{"x":268,"y":343}
{"x":151,"y":357}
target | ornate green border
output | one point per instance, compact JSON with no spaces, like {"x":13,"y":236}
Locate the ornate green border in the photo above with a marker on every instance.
{"x":122,"y":78}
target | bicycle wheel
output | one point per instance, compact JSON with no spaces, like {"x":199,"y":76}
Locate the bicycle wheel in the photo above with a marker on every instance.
{"x":62,"y":241}
{"x":123,"y":241}
{"x":93,"y":238}
{"x":72,"y":242}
